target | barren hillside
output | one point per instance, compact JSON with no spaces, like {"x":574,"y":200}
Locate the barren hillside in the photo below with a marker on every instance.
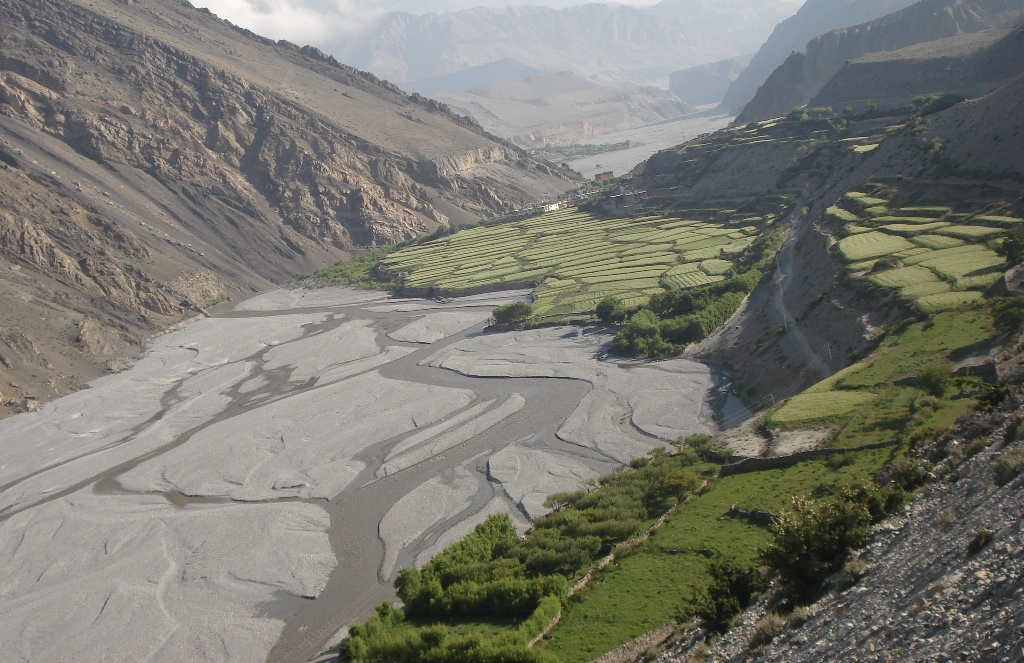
{"x":804,"y":74}
{"x":156,"y":159}
{"x":969,"y":65}
{"x":814,"y":18}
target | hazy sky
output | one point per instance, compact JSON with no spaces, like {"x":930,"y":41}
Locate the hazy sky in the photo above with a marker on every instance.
{"x":314,"y":21}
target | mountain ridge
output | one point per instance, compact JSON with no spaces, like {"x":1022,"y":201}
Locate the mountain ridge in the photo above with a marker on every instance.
{"x":814,"y":18}
{"x":198,"y":162}
{"x":804,"y":74}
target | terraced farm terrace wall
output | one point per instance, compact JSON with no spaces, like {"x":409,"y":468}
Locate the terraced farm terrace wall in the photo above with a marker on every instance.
{"x":575,"y":259}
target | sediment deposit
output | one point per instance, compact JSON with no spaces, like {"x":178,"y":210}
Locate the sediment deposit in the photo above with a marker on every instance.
{"x":254,"y":483}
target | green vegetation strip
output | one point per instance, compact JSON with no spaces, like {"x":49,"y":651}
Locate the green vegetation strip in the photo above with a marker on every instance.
{"x":574,"y":256}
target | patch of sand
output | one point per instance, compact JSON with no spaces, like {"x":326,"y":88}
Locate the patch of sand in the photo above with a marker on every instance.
{"x":433,"y":327}
{"x":137,"y":579}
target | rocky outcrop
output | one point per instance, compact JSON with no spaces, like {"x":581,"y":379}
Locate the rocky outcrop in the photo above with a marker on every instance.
{"x":803,"y":75}
{"x":154,"y":158}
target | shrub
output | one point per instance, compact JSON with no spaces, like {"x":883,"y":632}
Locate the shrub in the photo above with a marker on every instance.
{"x":981,"y":539}
{"x":1009,"y":465}
{"x":513,"y":313}
{"x":1012,"y":247}
{"x":810,"y":540}
{"x":934,"y":378}
{"x":765,"y":631}
{"x":610,"y":310}
{"x":851,"y":574}
{"x":642,"y":336}
{"x":707,"y":449}
{"x":798,"y":617}
{"x":728,"y":593}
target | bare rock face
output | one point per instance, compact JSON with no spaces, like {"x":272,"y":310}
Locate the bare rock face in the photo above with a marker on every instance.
{"x":154,"y":159}
{"x":803,"y":75}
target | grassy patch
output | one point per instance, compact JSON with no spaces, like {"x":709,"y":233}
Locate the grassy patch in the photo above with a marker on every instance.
{"x":820,"y":406}
{"x":673,"y":564}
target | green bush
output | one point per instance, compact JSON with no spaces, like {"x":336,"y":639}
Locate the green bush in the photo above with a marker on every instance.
{"x":610,"y":310}
{"x":934,"y":378}
{"x":763,"y":634}
{"x":513,"y":313}
{"x":1012,"y":247}
{"x":1008,"y":312}
{"x":642,"y":336}
{"x":730,"y":589}
{"x":1009,"y":465}
{"x":707,"y":449}
{"x":809,"y":542}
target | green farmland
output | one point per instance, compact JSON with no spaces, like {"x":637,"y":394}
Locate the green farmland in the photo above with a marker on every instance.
{"x":575,"y":259}
{"x":937,"y":258}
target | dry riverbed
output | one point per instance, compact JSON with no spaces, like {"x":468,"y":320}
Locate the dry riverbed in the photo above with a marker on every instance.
{"x":254,"y":483}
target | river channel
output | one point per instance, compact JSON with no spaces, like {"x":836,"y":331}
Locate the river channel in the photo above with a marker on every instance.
{"x":253,"y":485}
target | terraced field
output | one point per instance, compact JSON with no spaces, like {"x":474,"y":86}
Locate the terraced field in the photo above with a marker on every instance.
{"x":945,"y":258}
{"x":575,"y":259}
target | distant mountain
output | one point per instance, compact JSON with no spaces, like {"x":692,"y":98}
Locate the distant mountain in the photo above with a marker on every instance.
{"x":707,"y":83}
{"x":970,"y":65}
{"x":815,"y":17}
{"x":804,"y":74}
{"x":491,"y":73}
{"x":561,"y":108}
{"x":744,"y":24}
{"x":617,"y":45}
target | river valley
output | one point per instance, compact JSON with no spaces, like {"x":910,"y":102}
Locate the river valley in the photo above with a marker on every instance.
{"x":252,"y":486}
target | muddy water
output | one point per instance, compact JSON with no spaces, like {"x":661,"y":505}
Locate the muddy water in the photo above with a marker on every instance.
{"x":361,"y":578}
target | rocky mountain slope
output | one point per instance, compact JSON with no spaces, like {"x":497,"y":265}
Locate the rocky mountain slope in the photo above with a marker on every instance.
{"x":804,"y":74}
{"x":814,"y":18}
{"x":929,"y":591}
{"x":561,"y":108}
{"x":155,"y":159}
{"x":968,"y":65}
{"x":610,"y":44}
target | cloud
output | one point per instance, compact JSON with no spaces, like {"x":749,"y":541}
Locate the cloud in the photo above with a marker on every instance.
{"x":322,"y":22}
{"x":298,"y":21}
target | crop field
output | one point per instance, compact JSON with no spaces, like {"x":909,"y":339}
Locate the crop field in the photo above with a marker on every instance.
{"x":575,"y":259}
{"x":948,"y":256}
{"x":821,"y":406}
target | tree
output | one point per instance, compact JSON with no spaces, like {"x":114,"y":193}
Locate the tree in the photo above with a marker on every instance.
{"x":1012,"y":247}
{"x":728,"y":593}
{"x":681,"y":482}
{"x":810,"y":540}
{"x":610,"y":310}
{"x":514,"y":313}
{"x":642,"y":336}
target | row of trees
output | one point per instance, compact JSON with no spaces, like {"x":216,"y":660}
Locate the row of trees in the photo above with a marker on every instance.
{"x":493,"y":573}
